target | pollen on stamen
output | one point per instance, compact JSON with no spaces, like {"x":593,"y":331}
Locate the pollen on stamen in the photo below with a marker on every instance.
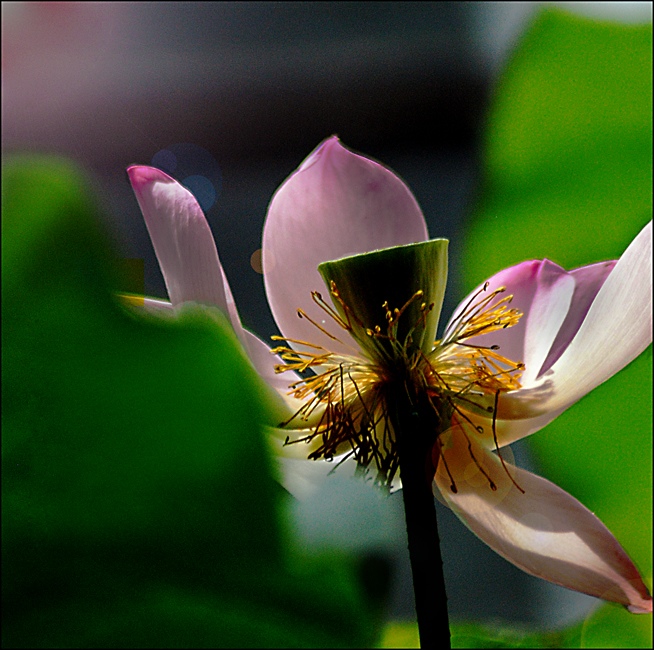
{"x":467,"y":375}
{"x":345,"y":396}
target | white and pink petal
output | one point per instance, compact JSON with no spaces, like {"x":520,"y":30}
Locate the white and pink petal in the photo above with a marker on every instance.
{"x":525,"y":282}
{"x":536,"y":525}
{"x":336,"y":204}
{"x":182,"y":241}
{"x":588,"y":281}
{"x":547,"y":313}
{"x":616,"y":329}
{"x":508,"y":431}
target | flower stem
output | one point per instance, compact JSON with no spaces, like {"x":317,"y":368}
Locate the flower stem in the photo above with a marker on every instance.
{"x":416,"y":429}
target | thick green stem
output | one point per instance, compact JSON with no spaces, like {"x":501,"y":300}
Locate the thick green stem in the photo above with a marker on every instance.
{"x":416,"y":428}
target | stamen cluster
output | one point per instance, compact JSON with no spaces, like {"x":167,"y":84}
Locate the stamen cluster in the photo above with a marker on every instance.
{"x":346,"y":408}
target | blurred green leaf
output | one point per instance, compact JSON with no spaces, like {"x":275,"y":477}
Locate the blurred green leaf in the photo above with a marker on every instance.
{"x":568,"y":176}
{"x":138,"y":504}
{"x":568,"y":148}
{"x":474,"y":635}
{"x":614,"y":627}
{"x":400,"y":634}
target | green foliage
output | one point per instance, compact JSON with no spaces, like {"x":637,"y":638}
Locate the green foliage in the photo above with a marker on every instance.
{"x":614,"y":627}
{"x":568,"y":150}
{"x":138,"y":505}
{"x":475,"y":635}
{"x":603,"y":629}
{"x":568,"y":176}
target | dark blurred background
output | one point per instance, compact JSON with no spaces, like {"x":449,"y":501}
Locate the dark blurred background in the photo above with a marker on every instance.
{"x":230,"y":98}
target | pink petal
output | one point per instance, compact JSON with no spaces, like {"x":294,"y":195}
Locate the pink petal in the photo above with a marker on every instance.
{"x":617,"y":328}
{"x":588,"y":282}
{"x":182,"y":241}
{"x":336,"y":204}
{"x":554,"y":303}
{"x":508,"y":431}
{"x":544,"y":531}
{"x":548,"y":311}
{"x":539,"y":285}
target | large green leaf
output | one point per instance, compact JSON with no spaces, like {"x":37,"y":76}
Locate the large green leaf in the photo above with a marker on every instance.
{"x":138,"y":505}
{"x":568,"y":176}
{"x":568,"y":149}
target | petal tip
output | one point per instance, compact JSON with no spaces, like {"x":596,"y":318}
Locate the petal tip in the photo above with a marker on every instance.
{"x":325,"y":147}
{"x":141,"y":175}
{"x":642,"y":608}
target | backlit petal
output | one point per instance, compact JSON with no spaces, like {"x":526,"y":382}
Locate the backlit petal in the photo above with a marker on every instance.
{"x":554,"y":303}
{"x":508,"y":431}
{"x":588,"y":282}
{"x":534,"y":284}
{"x":544,"y":531}
{"x":617,"y":328}
{"x":182,"y":241}
{"x":547,"y":313}
{"x":337,"y":203}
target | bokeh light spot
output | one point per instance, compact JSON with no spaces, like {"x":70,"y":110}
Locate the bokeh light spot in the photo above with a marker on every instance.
{"x":202,"y":189}
{"x":194,"y":167}
{"x":255,"y":261}
{"x":165,"y":160}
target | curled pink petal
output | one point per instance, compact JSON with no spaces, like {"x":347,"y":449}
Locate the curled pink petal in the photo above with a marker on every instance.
{"x":588,"y":281}
{"x":524,"y":282}
{"x":182,"y":241}
{"x":616,"y":329}
{"x":337,"y":203}
{"x":548,"y":311}
{"x":554,"y":303}
{"x":537,"y":526}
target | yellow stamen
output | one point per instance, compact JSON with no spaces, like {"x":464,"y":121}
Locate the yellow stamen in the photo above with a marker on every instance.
{"x":348,"y":393}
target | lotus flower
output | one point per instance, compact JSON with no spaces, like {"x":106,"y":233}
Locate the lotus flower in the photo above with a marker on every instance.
{"x":498,"y":373}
